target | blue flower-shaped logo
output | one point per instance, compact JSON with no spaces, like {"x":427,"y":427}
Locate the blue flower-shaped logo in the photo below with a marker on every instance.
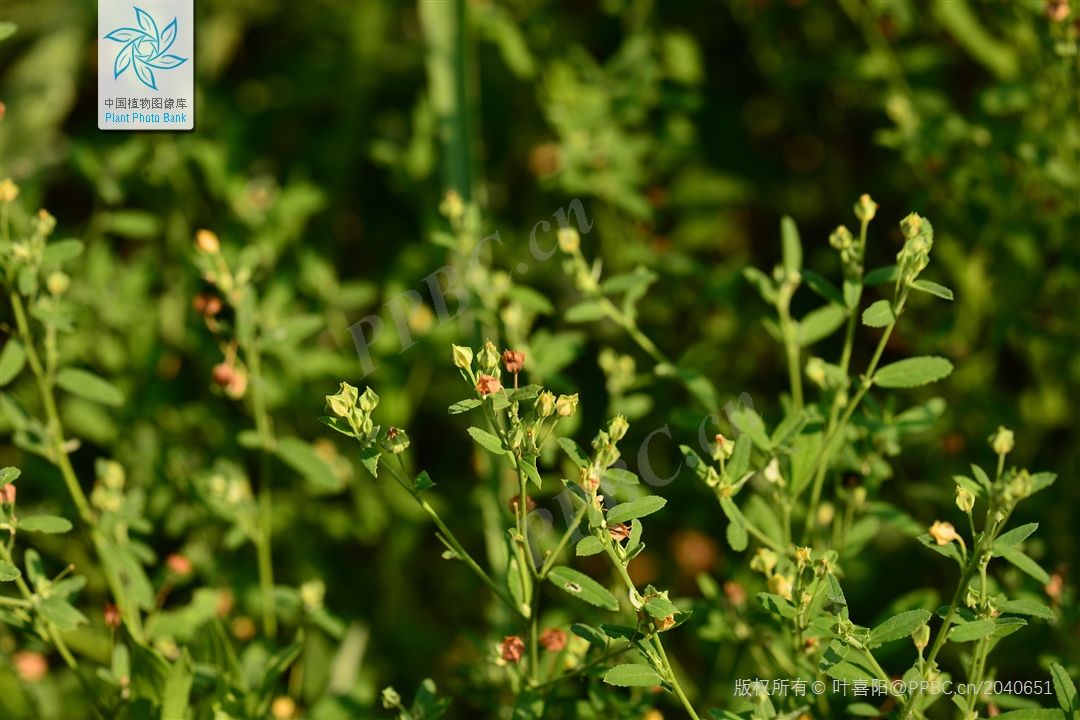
{"x":144,"y":49}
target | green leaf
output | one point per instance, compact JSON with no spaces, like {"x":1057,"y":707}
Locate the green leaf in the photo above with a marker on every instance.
{"x":852,"y":294}
{"x":487,"y":441}
{"x":89,"y":386}
{"x":61,"y":251}
{"x":792,"y":245}
{"x":528,"y":466}
{"x":1065,"y":691}
{"x":913,"y":372}
{"x":628,"y":281}
{"x":8,"y":572}
{"x":464,"y":406}
{"x":822,"y":287}
{"x":575,"y":452}
{"x":50,"y":524}
{"x":338,"y":424}
{"x":589,"y":545}
{"x":736,"y":530}
{"x":949,"y":550}
{"x":879,"y":314}
{"x":971,"y":486}
{"x":762,"y":282}
{"x":593,"y":635}
{"x":881,"y":275}
{"x":369,"y":458}
{"x":9,"y":475}
{"x":820,"y":324}
{"x":660,"y":607}
{"x":174,"y":700}
{"x":585,"y":311}
{"x":61,"y":613}
{"x":933,"y":288}
{"x":776,"y":604}
{"x":898,"y":627}
{"x":1026,"y":607}
{"x":833,"y":656}
{"x":1013,"y":538}
{"x":528,"y":705}
{"x":583,"y":587}
{"x":1026,"y":564}
{"x":276,"y":665}
{"x":1031,"y":714}
{"x":632,"y":675}
{"x":7,"y":29}
{"x":975,"y":630}
{"x":302,"y":457}
{"x":636,"y":509}
{"x":423,"y":482}
{"x":12,"y":361}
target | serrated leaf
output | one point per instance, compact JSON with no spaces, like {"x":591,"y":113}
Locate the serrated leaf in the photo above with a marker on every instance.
{"x":12,"y":361}
{"x":972,"y":631}
{"x":575,"y":452}
{"x":913,"y":372}
{"x":593,"y":635}
{"x":632,"y":675}
{"x":589,"y":545}
{"x":528,"y":466}
{"x":1065,"y":691}
{"x":369,"y":458}
{"x":1013,"y":538}
{"x":949,"y":550}
{"x":61,"y":613}
{"x":1026,"y":564}
{"x":820,"y":324}
{"x":583,"y":587}
{"x":302,"y":457}
{"x":8,"y":572}
{"x":584,"y":311}
{"x":879,"y":314}
{"x":464,"y":406}
{"x":898,"y":627}
{"x":1026,"y":607}
{"x":933,"y":288}
{"x":776,"y":604}
{"x":660,"y":607}
{"x":791,"y":245}
{"x":488,"y":441}
{"x":50,"y":524}
{"x":881,"y":275}
{"x":822,"y":287}
{"x":89,"y":386}
{"x":639,"y":508}
{"x":833,"y":656}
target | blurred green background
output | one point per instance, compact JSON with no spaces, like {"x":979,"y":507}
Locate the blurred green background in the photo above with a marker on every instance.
{"x":327,"y":132}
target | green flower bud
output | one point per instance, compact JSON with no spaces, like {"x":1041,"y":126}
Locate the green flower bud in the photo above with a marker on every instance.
{"x":569,"y":240}
{"x":369,"y":400}
{"x":396,"y":441}
{"x":312,"y":594}
{"x":566,"y":405}
{"x":488,"y":359}
{"x":390,"y":698}
{"x":865,"y":209}
{"x":344,"y":401}
{"x":841,"y":238}
{"x":964,"y":500}
{"x":764,"y":561}
{"x":911,"y":226}
{"x":58,"y":283}
{"x":815,"y":370}
{"x":516,"y":437}
{"x":618,"y":427}
{"x":545,"y":404}
{"x":463,"y":356}
{"x":1003,"y":441}
{"x":921,"y":637}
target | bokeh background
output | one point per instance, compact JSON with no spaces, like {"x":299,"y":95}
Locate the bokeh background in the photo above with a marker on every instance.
{"x":327,"y":133}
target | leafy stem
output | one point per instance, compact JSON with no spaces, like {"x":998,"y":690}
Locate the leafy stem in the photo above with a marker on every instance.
{"x":266,"y":501}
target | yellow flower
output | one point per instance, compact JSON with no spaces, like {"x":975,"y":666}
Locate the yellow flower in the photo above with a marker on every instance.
{"x":943,"y":533}
{"x":8,"y":190}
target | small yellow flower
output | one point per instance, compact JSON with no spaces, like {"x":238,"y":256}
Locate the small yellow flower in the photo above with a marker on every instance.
{"x":206,"y":242}
{"x":8,"y":190}
{"x":943,"y":533}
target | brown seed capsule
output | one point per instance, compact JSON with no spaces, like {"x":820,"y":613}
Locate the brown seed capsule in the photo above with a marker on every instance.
{"x":223,"y":374}
{"x":208,"y":305}
{"x":513,"y":360}
{"x":179,"y":564}
{"x":736,"y":595}
{"x":488,"y":385}
{"x":553,"y":639}
{"x":513,"y":649}
{"x":530,"y":504}
{"x":111,"y":613}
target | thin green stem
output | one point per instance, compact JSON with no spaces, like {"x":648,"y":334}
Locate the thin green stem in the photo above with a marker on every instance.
{"x":264,"y":545}
{"x":581,"y":669}
{"x":672,"y":679}
{"x":15,"y":602}
{"x":791,"y":343}
{"x":546,"y":567}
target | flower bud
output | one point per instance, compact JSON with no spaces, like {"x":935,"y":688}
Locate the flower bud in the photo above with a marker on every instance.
{"x":780,"y":585}
{"x":344,"y":401}
{"x":368,"y":401}
{"x":1002,"y":441}
{"x":553,"y":639}
{"x":566,"y":405}
{"x":7,"y":494}
{"x":921,"y":637}
{"x":112,"y":616}
{"x":179,"y":564}
{"x":772,"y":472}
{"x":964,"y":500}
{"x":545,"y":404}
{"x":208,"y":305}
{"x":312,"y":593}
{"x":764,"y":561}
{"x":8,"y":190}
{"x":488,"y":385}
{"x":910,"y":226}
{"x":618,"y":427}
{"x":463,"y":356}
{"x":513,"y":361}
{"x":943,"y":532}
{"x":396,"y":441}
{"x":512,"y":649}
{"x":207,"y":242}
{"x":815,"y":370}
{"x":58,"y":283}
{"x":452,"y":206}
{"x":865,"y":209}
{"x":841,"y":238}
{"x":488,"y":359}
{"x":569,"y":240}
{"x":390,"y":698}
